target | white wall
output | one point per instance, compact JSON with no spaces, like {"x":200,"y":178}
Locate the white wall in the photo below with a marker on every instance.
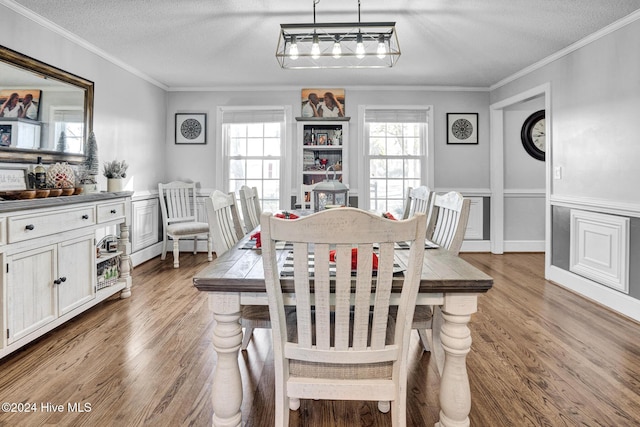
{"x":457,"y":166}
{"x":595,"y":99}
{"x":129,"y":112}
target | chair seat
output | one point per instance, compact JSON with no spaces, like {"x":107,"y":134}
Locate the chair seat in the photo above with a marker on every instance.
{"x":255,"y":316}
{"x":422,"y":316}
{"x":187,"y":228}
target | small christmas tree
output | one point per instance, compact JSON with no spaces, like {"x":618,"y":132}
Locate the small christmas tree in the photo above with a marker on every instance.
{"x":62,"y":143}
{"x":91,"y":165}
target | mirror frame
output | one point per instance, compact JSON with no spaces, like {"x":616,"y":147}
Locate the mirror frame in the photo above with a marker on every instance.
{"x":21,"y":155}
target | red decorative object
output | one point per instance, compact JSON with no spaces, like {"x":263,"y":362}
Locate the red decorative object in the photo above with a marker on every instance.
{"x":354,"y":259}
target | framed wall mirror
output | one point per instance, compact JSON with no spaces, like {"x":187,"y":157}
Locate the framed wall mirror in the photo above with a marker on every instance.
{"x":44,"y":111}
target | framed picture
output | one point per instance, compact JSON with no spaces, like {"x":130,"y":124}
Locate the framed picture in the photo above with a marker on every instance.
{"x":323,"y":103}
{"x":5,"y":135}
{"x":323,"y":138}
{"x":462,"y":128}
{"x":13,"y":179}
{"x":20,"y":103}
{"x":191,"y":128}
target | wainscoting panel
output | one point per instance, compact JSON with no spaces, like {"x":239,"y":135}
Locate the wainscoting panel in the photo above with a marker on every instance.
{"x":599,"y":248}
{"x":474,"y":229}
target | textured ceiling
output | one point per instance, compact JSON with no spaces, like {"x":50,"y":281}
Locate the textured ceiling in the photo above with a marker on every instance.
{"x":218,"y":43}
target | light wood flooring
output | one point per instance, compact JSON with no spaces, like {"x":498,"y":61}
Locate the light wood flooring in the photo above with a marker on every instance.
{"x":541,"y":356}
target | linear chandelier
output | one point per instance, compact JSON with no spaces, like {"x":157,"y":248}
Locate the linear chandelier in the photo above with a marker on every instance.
{"x":338,"y":45}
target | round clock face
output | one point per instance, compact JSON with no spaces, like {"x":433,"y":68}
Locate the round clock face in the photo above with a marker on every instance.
{"x":533,"y":135}
{"x":462,"y":128}
{"x":191,"y":128}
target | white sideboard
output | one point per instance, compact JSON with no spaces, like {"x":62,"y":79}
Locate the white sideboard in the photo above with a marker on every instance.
{"x":49,"y":261}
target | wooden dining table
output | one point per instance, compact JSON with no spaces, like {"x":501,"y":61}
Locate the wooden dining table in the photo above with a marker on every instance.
{"x":237,"y":278}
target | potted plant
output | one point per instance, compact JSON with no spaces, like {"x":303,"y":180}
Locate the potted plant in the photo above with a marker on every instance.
{"x":115,"y":171}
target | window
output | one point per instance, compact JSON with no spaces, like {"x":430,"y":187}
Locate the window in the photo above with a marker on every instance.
{"x":395,"y":156}
{"x":254,"y":143}
{"x":69,"y":120}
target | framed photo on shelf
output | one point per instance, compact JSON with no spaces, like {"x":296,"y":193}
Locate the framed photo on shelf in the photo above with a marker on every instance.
{"x":191,"y":128}
{"x":323,"y":138}
{"x":462,"y":128}
{"x":323,"y":103}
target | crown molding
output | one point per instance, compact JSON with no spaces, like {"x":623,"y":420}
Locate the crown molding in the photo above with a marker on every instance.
{"x":620,"y":23}
{"x":297,"y":87}
{"x":29,"y":14}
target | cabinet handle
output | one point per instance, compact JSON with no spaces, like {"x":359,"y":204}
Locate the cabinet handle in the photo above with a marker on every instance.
{"x":57,"y":281}
{"x":29,"y":227}
{"x":113,"y":211}
{"x":85,"y":216}
{"x":63,"y":279}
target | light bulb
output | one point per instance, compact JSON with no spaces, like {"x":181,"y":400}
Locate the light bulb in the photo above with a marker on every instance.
{"x":337,"y":50}
{"x":359,"y":47}
{"x":315,"y":48}
{"x":382,"y":50}
{"x":293,"y":49}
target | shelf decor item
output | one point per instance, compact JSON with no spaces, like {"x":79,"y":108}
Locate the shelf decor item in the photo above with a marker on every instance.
{"x":330,"y":193}
{"x":462,"y":128}
{"x":61,"y":175}
{"x":115,"y":172}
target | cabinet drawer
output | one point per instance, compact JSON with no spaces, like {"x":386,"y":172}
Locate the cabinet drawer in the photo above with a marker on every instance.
{"x":24,"y":227}
{"x":110,"y":211}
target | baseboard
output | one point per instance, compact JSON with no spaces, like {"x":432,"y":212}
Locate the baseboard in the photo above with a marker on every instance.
{"x":622,"y":303}
{"x":524,"y":246}
{"x":147,"y":253}
{"x":476,"y":246}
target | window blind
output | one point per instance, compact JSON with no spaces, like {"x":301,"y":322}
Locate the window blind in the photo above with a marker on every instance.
{"x":395,"y":116}
{"x":253,"y":116}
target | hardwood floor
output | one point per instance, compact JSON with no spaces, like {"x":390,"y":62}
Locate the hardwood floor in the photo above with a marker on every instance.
{"x":541,"y":356}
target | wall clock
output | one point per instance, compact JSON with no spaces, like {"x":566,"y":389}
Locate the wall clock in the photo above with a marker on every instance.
{"x":533,"y":135}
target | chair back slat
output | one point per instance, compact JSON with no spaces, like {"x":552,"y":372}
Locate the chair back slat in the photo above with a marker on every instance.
{"x":224,"y":223}
{"x":336,"y":319}
{"x":449,"y":221}
{"x":251,"y":210}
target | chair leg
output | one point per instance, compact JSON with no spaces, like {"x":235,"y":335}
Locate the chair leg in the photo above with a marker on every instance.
{"x":424,"y":339}
{"x":209,"y":248}
{"x":436,"y":344}
{"x":195,"y":245}
{"x":176,"y":252}
{"x":384,"y":406}
{"x":248,"y":332}
{"x":164,"y":248}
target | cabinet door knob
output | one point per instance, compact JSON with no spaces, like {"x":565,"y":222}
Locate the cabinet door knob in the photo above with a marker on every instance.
{"x":63,"y":279}
{"x":29,"y":227}
{"x":57,"y":281}
{"x":85,"y":216}
{"x":113,"y":211}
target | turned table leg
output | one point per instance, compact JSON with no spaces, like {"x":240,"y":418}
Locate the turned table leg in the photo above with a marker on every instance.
{"x":227,"y":338}
{"x":455,"y":394}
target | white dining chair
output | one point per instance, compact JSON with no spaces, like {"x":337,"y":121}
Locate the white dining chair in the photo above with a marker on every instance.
{"x":341,"y":343}
{"x":251,"y":210}
{"x":419,"y":199}
{"x":226,"y":231}
{"x":180,"y":218}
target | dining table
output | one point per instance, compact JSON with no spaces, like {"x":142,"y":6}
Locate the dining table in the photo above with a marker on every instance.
{"x":236,"y":278}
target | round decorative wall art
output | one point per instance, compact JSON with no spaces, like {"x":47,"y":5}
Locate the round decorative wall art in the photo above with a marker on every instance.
{"x":462,"y":128}
{"x":191,"y":128}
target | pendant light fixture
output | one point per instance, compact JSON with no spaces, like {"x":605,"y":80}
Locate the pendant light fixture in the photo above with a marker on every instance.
{"x":338,"y":45}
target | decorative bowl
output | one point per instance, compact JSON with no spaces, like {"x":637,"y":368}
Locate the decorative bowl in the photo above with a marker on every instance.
{"x":68,"y":191}
{"x":42,"y":193}
{"x":78,"y":190}
{"x":27,"y":194}
{"x":55,"y":192}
